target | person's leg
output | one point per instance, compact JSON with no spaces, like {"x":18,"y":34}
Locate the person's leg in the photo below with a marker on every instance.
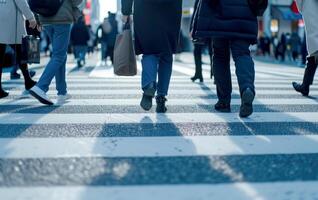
{"x":149,"y":79}
{"x":111,"y":53}
{"x":198,"y":63}
{"x":222,"y":71}
{"x":2,"y":53}
{"x":164,"y":74}
{"x":28,"y":82}
{"x":245,"y":74}
{"x":244,"y":64}
{"x":60,"y":75}
{"x":164,"y":77}
{"x":210,"y":47}
{"x":59,"y":35}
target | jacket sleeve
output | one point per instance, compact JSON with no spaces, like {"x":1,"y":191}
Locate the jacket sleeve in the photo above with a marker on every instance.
{"x":194,"y":14}
{"x":23,"y":6}
{"x":126,"y":7}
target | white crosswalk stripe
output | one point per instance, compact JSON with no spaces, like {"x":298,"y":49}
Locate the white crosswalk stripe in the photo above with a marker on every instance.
{"x":51,"y":153}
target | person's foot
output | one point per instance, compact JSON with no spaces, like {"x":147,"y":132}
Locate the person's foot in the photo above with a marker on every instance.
{"x":301,"y":89}
{"x":30,"y":84}
{"x":79,"y":64}
{"x":40,"y":95}
{"x":14,"y":76}
{"x":32,"y":73}
{"x":62,"y":99}
{"x":146,"y":101}
{"x":222,"y":107}
{"x":3,"y":94}
{"x":247,"y":103}
{"x":193,"y":79}
{"x":161,"y":104}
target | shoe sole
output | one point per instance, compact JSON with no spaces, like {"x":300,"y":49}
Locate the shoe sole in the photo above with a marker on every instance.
{"x":40,"y":99}
{"x":247,"y":104}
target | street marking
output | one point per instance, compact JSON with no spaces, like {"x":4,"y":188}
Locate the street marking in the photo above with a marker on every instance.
{"x":172,"y":102}
{"x":156,"y":146}
{"x":151,"y":118}
{"x":305,"y":190}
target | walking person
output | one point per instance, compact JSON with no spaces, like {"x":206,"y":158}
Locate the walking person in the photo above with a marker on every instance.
{"x":157,"y":29}
{"x":13,"y":14}
{"x":58,"y":28}
{"x":310,"y":15}
{"x":295,"y":44}
{"x":233,"y":27}
{"x":79,"y":39}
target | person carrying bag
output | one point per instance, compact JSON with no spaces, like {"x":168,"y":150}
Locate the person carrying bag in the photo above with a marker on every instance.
{"x":125,"y":63}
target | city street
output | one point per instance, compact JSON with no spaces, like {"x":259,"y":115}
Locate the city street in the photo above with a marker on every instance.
{"x":102,"y":145}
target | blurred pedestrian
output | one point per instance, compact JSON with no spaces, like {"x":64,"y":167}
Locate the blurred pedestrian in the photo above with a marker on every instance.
{"x":157,"y":29}
{"x":58,"y":28}
{"x":304,"y":51}
{"x":309,"y":11}
{"x":13,"y":14}
{"x":280,"y":51}
{"x":199,"y":46}
{"x":233,"y":27}
{"x":79,"y":40}
{"x":295,"y":44}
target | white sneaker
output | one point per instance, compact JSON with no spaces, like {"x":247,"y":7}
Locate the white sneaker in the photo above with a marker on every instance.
{"x":62,"y":99}
{"x":40,"y":95}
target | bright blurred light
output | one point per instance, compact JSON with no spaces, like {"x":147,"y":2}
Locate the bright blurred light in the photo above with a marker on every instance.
{"x":107,"y":5}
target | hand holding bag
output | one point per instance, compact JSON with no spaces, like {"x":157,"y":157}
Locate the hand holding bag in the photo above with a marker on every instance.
{"x":125,"y":63}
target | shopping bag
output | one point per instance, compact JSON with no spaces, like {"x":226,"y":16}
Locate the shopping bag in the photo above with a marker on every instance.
{"x":30,"y":51}
{"x":125,"y":63}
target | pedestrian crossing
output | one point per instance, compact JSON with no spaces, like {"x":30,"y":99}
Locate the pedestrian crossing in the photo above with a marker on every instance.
{"x":102,"y":145}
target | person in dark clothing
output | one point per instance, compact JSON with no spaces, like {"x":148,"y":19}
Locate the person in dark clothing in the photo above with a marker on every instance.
{"x":281,"y":48}
{"x":109,"y":32}
{"x":304,"y":51}
{"x":79,"y":39}
{"x":233,"y":27}
{"x":199,"y":46}
{"x":295,"y":43}
{"x":157,"y":28}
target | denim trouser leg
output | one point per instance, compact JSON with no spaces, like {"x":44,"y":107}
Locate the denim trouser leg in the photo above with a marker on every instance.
{"x":244,"y":64}
{"x":149,"y":70}
{"x":222,"y":70}
{"x":60,"y":79}
{"x":164,"y":74}
{"x":59,"y":36}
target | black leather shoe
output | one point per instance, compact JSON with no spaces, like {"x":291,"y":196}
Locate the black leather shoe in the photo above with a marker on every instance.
{"x":223,"y":107}
{"x":301,"y":89}
{"x":193,"y":79}
{"x":161,"y":104}
{"x":146,"y":101}
{"x":247,"y":103}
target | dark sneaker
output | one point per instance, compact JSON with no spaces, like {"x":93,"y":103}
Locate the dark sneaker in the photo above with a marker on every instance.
{"x":161,"y":104}
{"x":3,"y":94}
{"x":146,"y":101}
{"x":223,"y":107}
{"x":14,"y":76}
{"x":247,"y":103}
{"x":301,"y":89}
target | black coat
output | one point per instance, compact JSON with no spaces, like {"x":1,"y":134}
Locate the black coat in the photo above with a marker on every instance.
{"x":156,"y":24}
{"x":229,"y":19}
{"x":80,"y":34}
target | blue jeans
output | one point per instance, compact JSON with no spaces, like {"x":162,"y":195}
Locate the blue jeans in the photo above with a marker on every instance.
{"x":80,"y":52}
{"x":244,"y":64}
{"x":154,"y":66}
{"x":59,"y":36}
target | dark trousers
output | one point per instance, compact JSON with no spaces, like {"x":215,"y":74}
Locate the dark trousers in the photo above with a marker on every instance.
{"x":244,"y":64}
{"x":23,"y":67}
{"x":198,"y":50}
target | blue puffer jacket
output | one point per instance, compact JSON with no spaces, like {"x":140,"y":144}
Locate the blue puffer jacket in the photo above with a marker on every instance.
{"x":230,"y":19}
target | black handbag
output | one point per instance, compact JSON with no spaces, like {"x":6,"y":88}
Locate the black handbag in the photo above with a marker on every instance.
{"x":30,"y":50}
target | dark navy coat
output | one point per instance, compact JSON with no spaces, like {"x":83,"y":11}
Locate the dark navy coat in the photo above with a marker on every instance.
{"x":230,"y":19}
{"x":156,"y":24}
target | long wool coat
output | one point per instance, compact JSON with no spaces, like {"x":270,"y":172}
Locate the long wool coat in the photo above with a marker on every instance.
{"x":156,"y":24}
{"x":309,"y":10}
{"x":12,"y":23}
